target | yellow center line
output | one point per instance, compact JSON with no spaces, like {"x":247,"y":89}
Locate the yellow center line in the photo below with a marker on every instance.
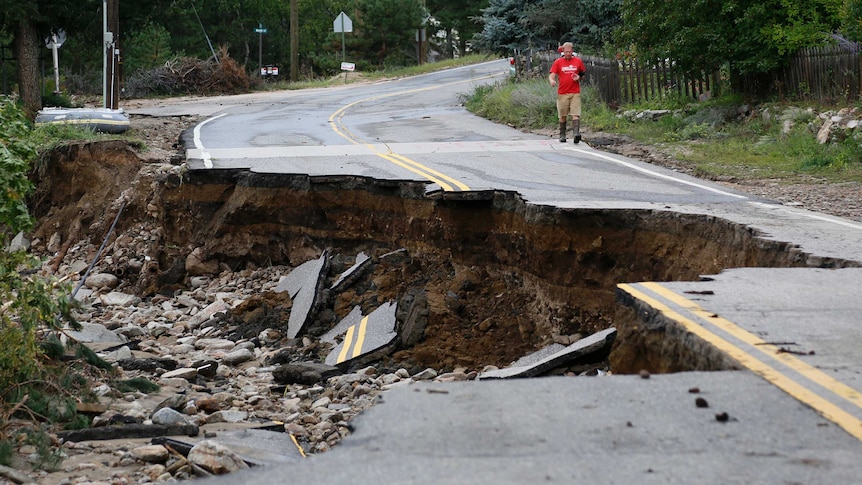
{"x":815,"y":375}
{"x":335,"y":121}
{"x":348,"y":339}
{"x":827,"y":409}
{"x":360,"y":337}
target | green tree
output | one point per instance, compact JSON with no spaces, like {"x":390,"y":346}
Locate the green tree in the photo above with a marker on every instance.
{"x":503,"y":29}
{"x":457,"y":20}
{"x":588,"y":24}
{"x":146,"y":48}
{"x":752,"y":36}
{"x":851,"y":20}
{"x":388,"y":29}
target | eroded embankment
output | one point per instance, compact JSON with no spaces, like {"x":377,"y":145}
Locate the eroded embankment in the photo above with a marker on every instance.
{"x":534,"y":273}
{"x":501,"y":277}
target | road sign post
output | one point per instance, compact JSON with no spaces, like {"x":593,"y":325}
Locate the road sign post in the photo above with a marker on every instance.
{"x":54,"y":42}
{"x":342,"y":23}
{"x":260,"y":31}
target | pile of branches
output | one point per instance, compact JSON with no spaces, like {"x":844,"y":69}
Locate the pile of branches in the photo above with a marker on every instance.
{"x":188,"y":75}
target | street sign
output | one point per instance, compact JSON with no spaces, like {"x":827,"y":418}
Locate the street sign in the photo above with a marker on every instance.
{"x":260,"y":31}
{"x":348,"y":66}
{"x":342,"y":23}
{"x":56,"y":39}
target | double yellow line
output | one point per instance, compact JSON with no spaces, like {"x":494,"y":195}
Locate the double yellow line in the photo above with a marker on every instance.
{"x":826,"y":408}
{"x":348,"y":341}
{"x":447,"y":183}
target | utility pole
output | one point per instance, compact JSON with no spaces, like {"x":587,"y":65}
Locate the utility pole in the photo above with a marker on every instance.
{"x":114,"y":26}
{"x":294,"y":40}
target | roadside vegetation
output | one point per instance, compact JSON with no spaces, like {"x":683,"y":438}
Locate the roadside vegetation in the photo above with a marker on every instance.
{"x":723,"y":138}
{"x":41,"y":379}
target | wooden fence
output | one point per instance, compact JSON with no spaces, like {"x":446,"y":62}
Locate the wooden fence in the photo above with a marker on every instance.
{"x":629,"y":81}
{"x":826,"y":74}
{"x":822,"y":73}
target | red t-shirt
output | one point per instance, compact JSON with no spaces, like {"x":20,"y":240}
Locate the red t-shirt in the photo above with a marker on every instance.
{"x":564,"y":69}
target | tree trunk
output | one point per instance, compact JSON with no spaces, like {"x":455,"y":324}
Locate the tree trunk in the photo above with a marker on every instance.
{"x":27,"y":52}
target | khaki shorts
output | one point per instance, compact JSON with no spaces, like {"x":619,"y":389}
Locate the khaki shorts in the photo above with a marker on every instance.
{"x":569,"y":104}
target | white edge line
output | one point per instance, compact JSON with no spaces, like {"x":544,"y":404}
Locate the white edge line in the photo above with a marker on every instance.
{"x":656,"y":174}
{"x":205,"y":154}
{"x":834,"y":220}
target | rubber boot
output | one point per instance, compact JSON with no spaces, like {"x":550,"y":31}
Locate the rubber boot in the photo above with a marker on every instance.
{"x":576,"y":129}
{"x":562,"y":132}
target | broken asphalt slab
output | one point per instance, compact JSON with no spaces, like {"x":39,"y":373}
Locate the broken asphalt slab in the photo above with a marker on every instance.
{"x":304,"y":285}
{"x":550,"y":357}
{"x":363,"y":336}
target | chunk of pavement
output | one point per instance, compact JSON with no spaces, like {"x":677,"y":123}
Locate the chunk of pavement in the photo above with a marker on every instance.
{"x":412,"y":317}
{"x":543,"y":361}
{"x":304,"y":285}
{"x":366,"y":338}
{"x":345,"y":279}
{"x":352,"y":318}
{"x":304,"y":373}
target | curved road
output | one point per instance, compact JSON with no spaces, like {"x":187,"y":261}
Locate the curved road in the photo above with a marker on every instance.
{"x":793,"y":418}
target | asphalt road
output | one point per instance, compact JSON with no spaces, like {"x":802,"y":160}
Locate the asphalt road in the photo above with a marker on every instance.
{"x":794,"y":412}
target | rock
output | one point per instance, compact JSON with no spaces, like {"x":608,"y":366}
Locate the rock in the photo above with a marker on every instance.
{"x":102,"y":280}
{"x":207,"y":404}
{"x":116,"y":298}
{"x":19,"y":243}
{"x":216,"y":458}
{"x":206,"y":368}
{"x":151,"y":453}
{"x":425,"y":375}
{"x":176,"y":402}
{"x":149,"y":364}
{"x":227,"y":416}
{"x":238,"y":357}
{"x":169,"y":417}
{"x":196,"y":265}
{"x":94,"y":333}
{"x":211,"y":344}
{"x":304,"y":373}
{"x":182,"y":373}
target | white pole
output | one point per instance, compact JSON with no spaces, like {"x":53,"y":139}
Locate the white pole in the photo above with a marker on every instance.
{"x":105,"y":52}
{"x":56,"y":63}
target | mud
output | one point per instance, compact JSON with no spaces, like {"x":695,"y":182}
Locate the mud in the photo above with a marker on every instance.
{"x":501,"y":277}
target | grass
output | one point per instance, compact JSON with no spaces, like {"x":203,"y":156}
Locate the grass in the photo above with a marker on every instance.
{"x":709,"y":135}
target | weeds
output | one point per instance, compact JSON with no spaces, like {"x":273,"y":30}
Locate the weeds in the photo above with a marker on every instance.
{"x":717,"y":136}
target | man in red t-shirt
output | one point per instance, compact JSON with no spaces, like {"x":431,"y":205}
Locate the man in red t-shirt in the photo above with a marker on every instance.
{"x":566,"y":73}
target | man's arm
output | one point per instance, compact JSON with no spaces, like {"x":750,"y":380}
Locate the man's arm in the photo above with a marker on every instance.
{"x":552,"y":78}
